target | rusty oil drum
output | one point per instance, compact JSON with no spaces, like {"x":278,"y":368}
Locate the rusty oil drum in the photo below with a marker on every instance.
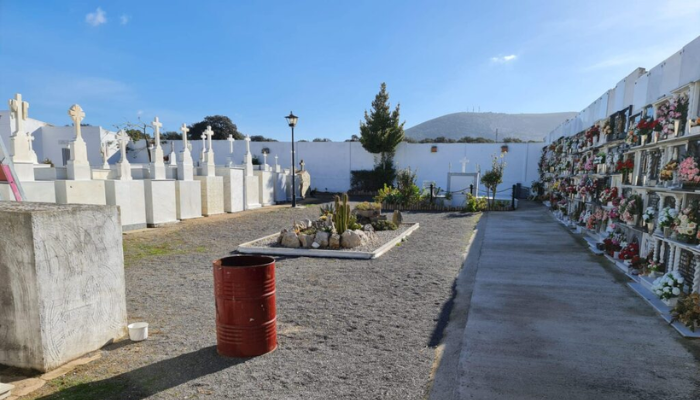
{"x":246,"y":318}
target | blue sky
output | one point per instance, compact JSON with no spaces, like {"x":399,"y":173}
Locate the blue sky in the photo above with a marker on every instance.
{"x":257,"y":60}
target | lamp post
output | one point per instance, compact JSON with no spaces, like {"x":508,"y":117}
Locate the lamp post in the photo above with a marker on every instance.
{"x":292,"y":121}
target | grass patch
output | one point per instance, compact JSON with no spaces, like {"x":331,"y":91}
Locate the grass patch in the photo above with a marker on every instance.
{"x":142,"y":248}
{"x":72,"y":387}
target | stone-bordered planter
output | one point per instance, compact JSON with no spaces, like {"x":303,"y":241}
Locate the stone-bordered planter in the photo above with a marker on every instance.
{"x":268,"y":245}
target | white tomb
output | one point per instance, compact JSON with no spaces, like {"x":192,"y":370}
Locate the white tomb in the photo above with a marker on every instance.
{"x":125,"y":192}
{"x":187,"y":191}
{"x":61,"y":282}
{"x":25,"y":159}
{"x":251,"y":187}
{"x":212,"y":186}
{"x":79,"y":188}
{"x":161,"y":206}
{"x":233,"y":182}
{"x":460,"y":184}
{"x":280,"y":177}
{"x":266,"y":186}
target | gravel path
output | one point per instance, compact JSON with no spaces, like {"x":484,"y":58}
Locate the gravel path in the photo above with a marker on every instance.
{"x":347,"y":329}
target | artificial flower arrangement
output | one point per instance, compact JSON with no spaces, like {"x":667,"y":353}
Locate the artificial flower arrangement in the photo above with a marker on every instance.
{"x":648,"y":215}
{"x":630,"y":251}
{"x":599,"y":158}
{"x":687,"y":311}
{"x":685,"y":225}
{"x":655,"y":267}
{"x":668,"y":287}
{"x":688,"y":171}
{"x":588,"y":166}
{"x":667,"y":217}
{"x":608,"y":194}
{"x":666,"y":173}
{"x":591,"y":222}
{"x":607,"y":128}
{"x":625,"y":166}
{"x":614,"y":213}
{"x":630,"y":209}
{"x":594,"y":132}
{"x":644,"y":127}
{"x":612,"y":242}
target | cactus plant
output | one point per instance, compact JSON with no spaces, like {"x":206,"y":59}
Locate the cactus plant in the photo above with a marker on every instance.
{"x":342,"y":216}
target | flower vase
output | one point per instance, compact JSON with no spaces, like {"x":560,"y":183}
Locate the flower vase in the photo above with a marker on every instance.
{"x":610,"y":204}
{"x":670,"y":302}
{"x":650,"y":227}
{"x":656,"y":137}
{"x":676,"y":127}
{"x":635,"y":220}
{"x":616,"y":255}
{"x":643,"y":139}
{"x":667,"y":232}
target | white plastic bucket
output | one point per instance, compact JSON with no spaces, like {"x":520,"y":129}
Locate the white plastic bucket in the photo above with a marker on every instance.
{"x":138,"y":331}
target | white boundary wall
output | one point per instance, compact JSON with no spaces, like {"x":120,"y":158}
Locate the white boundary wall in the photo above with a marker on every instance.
{"x":330,"y":163}
{"x":639,"y":89}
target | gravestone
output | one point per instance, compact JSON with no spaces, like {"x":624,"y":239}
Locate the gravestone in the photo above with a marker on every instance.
{"x":125,"y":192}
{"x":188,"y":196}
{"x":233,"y":178}
{"x":161,"y":204}
{"x":251,"y":182}
{"x":212,"y":189}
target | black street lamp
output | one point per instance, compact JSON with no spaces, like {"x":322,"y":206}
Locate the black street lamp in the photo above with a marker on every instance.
{"x":292,"y":121}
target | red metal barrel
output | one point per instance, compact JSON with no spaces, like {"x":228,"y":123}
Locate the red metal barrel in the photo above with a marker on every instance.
{"x":246,"y":318}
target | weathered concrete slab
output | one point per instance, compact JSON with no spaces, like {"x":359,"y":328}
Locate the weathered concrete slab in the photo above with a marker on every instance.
{"x":549,"y":320}
{"x":61,"y":282}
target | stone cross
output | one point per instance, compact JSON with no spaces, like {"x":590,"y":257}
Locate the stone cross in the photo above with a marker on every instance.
{"x":20,"y":111}
{"x":230,"y":143}
{"x":31,"y":138}
{"x":172,"y":159}
{"x":276,"y":164}
{"x":209,"y":134}
{"x":204,"y":146}
{"x":123,"y":140}
{"x":264,"y":158}
{"x":156,"y":127}
{"x":464,"y":163}
{"x":184,"y":129}
{"x":248,"y":157}
{"x":77,"y":115}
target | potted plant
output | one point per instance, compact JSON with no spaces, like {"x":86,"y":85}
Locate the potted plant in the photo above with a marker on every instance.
{"x":689,"y":173}
{"x":686,"y":225}
{"x":666,"y":174}
{"x":655,"y":268}
{"x":668,"y":288}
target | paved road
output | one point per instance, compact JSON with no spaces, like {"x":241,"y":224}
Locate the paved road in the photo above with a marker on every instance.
{"x":537,"y":316}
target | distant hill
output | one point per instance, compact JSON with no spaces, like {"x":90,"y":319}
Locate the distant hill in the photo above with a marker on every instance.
{"x":522,"y":126}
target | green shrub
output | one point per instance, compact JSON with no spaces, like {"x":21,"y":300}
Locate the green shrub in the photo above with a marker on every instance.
{"x":475,"y":204}
{"x":367,"y":206}
{"x":371,"y":180}
{"x":384,"y":226}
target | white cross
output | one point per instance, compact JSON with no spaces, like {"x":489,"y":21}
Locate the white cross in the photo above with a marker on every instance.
{"x":276,"y":161}
{"x":124,"y":140}
{"x":209,"y":133}
{"x":31,"y":139}
{"x":464,"y":163}
{"x":156,"y":126}
{"x":184,"y":129}
{"x":77,"y":115}
{"x":230,"y":143}
{"x":204,"y":145}
{"x":264,"y":158}
{"x":20,"y":109}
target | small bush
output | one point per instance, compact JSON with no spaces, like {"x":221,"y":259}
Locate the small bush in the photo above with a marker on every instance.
{"x":475,"y":204}
{"x":371,"y":180}
{"x":367,"y":206}
{"x":384,"y":226}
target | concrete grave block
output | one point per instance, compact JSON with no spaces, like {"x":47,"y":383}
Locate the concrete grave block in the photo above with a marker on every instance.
{"x":189,"y":199}
{"x":212,"y":194}
{"x":130,"y":197}
{"x":233,"y":188}
{"x":266,"y":187}
{"x":62,"y":286}
{"x":161,"y":206}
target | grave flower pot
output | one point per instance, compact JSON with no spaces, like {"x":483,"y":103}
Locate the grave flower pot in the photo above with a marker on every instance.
{"x":670,"y":302}
{"x":676,"y":127}
{"x":246,"y":317}
{"x":667,"y":232}
{"x":616,"y":255}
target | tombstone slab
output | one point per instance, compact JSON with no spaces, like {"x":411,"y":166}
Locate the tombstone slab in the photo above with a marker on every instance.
{"x":80,"y":192}
{"x":212,"y":194}
{"x":161,"y":206}
{"x":129,"y":196}
{"x":233,"y":188}
{"x":252,"y":192}
{"x":266,"y":180}
{"x":188,"y":199}
{"x":61,"y":282}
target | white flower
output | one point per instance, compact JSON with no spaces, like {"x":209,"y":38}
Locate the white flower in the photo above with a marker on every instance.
{"x":681,"y":280}
{"x":676,"y":291}
{"x":667,"y":289}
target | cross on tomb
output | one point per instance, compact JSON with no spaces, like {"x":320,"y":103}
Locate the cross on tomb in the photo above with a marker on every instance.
{"x":77,"y":114}
{"x":230,"y":143}
{"x":276,"y":164}
{"x":464,"y":163}
{"x":204,"y":146}
{"x":20,"y":111}
{"x":209,"y":134}
{"x":31,"y":140}
{"x":123,"y":140}
{"x":156,"y":127}
{"x":184,"y":129}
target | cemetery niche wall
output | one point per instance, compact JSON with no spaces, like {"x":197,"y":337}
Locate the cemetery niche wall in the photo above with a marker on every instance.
{"x":630,"y":184}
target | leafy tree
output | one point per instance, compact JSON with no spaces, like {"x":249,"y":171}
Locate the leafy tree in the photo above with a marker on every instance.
{"x":494,"y":177}
{"x":220,"y":124}
{"x":469,"y":139}
{"x":512,"y":140}
{"x":409,"y":139}
{"x":322,"y":140}
{"x":136,"y":134}
{"x":171,"y":135}
{"x":260,"y":138}
{"x":381,"y":132}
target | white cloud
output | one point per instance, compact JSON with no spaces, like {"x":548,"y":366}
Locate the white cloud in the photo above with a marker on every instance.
{"x":124,"y":19}
{"x":97,"y":18}
{"x":503,"y":59}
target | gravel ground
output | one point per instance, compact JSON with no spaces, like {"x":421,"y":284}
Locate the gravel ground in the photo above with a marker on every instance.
{"x":347,"y":329}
